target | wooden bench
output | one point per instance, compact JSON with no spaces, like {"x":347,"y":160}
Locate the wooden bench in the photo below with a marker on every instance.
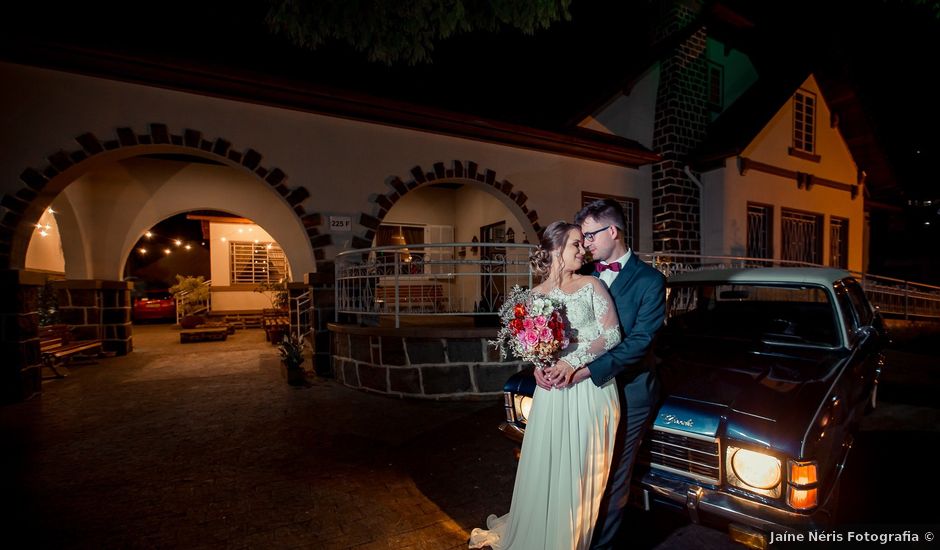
{"x":57,"y":348}
{"x":275,"y":323}
{"x":428,"y":297}
{"x":203,"y":333}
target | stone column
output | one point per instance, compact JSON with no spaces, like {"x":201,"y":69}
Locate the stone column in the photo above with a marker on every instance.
{"x":97,"y":309}
{"x":323,"y":287}
{"x":21,"y":367}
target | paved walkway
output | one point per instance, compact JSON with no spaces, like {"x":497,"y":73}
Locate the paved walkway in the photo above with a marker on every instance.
{"x":204,"y":445}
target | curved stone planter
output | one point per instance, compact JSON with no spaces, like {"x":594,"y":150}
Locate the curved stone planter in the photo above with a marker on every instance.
{"x":439,"y":363}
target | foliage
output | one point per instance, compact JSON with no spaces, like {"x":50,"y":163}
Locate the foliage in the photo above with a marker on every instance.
{"x":196,"y":292}
{"x":276,"y":292}
{"x":292,"y":350}
{"x":391,"y":30}
{"x":48,"y":305}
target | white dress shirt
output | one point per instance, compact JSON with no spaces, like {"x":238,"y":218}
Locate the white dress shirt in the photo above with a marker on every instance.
{"x":608,"y":275}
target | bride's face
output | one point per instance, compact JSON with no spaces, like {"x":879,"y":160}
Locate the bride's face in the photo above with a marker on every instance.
{"x":572,"y":254}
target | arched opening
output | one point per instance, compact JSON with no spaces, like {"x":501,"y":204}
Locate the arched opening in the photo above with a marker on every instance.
{"x":457,"y":211}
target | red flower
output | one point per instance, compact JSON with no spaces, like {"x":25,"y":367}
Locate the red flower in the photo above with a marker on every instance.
{"x":516,"y":324}
{"x":519,"y":311}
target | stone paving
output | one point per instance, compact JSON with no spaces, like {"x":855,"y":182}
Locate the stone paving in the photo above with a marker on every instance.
{"x":204,"y":445}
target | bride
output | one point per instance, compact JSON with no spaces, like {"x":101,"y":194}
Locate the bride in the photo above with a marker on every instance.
{"x":569,"y":439}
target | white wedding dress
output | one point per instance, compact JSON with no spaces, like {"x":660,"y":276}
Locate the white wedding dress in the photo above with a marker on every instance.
{"x":569,"y":439}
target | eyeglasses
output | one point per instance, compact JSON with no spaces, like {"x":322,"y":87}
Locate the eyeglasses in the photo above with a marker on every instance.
{"x":589,"y":235}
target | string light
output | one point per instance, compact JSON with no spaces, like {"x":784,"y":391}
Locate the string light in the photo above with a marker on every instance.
{"x":142,"y":250}
{"x":148,"y":234}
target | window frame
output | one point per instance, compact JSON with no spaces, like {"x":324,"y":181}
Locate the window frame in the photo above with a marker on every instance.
{"x":630,"y":206}
{"x":275,"y":249}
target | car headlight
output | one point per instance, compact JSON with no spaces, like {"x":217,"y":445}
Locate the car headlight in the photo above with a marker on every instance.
{"x":522,"y":404}
{"x":757,"y":472}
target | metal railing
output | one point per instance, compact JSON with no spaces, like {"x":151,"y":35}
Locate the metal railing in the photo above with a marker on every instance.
{"x":451,"y":279}
{"x":301,"y":308}
{"x":471,"y":278}
{"x":187,"y":304}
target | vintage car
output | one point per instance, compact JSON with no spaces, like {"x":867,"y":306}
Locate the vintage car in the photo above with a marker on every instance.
{"x":154,"y":305}
{"x":766,"y":373}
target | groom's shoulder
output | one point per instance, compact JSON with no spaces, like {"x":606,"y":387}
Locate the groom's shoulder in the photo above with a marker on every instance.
{"x":645,"y":270}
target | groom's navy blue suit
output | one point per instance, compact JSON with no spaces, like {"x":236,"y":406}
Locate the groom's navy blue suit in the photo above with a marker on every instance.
{"x":639,"y":293}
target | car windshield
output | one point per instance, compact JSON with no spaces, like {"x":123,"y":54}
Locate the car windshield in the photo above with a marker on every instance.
{"x":771,"y":314}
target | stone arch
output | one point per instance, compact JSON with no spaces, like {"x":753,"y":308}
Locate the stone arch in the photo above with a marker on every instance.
{"x":19,"y":211}
{"x":460,"y":172}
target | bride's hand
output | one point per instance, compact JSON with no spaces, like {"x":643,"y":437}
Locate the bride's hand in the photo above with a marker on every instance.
{"x":562,"y":373}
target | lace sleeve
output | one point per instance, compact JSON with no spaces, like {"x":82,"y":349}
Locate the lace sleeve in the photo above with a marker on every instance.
{"x":606,"y":333}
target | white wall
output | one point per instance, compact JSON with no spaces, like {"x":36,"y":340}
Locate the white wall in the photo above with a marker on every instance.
{"x":45,"y":252}
{"x":343,"y":163}
{"x":225,"y":298}
{"x":424,"y":206}
{"x":115,"y":204}
{"x":727,"y":192}
{"x":630,"y":115}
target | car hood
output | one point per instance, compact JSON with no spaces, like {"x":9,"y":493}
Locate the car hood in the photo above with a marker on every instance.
{"x":767,"y":395}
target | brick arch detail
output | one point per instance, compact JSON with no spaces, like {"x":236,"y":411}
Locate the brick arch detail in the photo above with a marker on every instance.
{"x":459,"y":170}
{"x":14,"y":207}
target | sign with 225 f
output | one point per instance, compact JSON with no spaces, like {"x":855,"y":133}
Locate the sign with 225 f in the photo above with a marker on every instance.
{"x":340,"y":223}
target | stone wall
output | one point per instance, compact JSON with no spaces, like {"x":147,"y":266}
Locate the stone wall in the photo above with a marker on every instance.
{"x":97,"y":310}
{"x":20,"y":368}
{"x":681,"y":118}
{"x":434,"y":363}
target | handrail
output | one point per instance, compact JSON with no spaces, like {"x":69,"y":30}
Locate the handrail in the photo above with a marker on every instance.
{"x":444,"y":279}
{"x":182,"y":301}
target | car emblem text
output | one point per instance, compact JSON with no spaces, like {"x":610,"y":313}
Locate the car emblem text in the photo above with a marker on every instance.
{"x":671,"y":419}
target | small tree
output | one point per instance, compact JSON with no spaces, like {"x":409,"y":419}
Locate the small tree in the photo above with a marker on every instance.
{"x":276,"y":293}
{"x":194,"y":289}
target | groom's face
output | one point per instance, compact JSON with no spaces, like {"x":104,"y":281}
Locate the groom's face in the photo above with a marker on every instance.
{"x":602,"y":244}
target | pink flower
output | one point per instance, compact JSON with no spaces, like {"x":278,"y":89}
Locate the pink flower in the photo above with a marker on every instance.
{"x":541,"y":321}
{"x":531,"y":337}
{"x":545,"y":334}
{"x":528,"y":323}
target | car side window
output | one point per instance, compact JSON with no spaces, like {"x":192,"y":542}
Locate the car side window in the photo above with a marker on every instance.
{"x":860,"y":303}
{"x":848,"y":311}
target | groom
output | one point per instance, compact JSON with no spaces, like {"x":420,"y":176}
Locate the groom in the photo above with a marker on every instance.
{"x":639,"y":293}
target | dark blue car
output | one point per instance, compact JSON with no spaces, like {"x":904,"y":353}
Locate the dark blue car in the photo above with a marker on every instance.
{"x":766,"y":374}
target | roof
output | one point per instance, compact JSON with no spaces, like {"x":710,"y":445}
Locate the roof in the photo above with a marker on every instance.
{"x":824,"y":276}
{"x":740,"y":124}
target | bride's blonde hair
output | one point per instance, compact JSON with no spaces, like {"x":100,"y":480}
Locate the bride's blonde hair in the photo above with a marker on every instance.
{"x":553,"y":239}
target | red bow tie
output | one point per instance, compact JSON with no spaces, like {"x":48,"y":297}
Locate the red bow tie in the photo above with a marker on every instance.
{"x":601,"y":266}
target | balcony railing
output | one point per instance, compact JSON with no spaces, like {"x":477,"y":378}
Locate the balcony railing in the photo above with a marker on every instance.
{"x":471,"y":279}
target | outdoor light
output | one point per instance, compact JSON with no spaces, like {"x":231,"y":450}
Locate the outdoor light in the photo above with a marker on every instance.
{"x":43,"y":233}
{"x":50,"y":210}
{"x":178,"y":242}
{"x":188,"y":247}
{"x":142,"y":250}
{"x":166,"y":250}
{"x":148,"y":234}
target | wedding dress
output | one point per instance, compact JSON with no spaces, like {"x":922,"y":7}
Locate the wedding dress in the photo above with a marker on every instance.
{"x":568,"y":444}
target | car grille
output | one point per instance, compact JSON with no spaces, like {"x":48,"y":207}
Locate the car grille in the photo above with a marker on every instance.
{"x":692,"y":456}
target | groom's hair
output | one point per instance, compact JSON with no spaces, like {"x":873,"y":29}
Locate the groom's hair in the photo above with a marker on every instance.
{"x":604,"y":211}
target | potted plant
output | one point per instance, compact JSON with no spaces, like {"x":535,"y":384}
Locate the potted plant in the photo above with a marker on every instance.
{"x":292,"y":357}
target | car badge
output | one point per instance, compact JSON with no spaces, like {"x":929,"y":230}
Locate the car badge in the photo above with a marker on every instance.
{"x":673,"y":419}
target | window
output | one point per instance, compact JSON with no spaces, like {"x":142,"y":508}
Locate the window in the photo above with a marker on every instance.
{"x":839,"y":242}
{"x":759,"y":236}
{"x":801,"y":236}
{"x":631,"y":212}
{"x":715,"y":86}
{"x":257,"y":262}
{"x":804,"y":122}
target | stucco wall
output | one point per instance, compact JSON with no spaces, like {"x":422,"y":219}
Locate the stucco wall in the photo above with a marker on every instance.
{"x":341,"y":162}
{"x":45,"y":252}
{"x":727,"y":192}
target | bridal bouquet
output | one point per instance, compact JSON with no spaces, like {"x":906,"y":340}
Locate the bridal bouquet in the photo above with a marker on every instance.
{"x":533,"y":328}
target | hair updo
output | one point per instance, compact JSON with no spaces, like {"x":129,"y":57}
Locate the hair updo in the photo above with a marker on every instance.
{"x":553,"y":239}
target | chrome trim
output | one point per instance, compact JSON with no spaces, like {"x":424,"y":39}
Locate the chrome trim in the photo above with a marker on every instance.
{"x":692,"y":498}
{"x":512,"y":431}
{"x":718,"y":454}
{"x":730,"y":507}
{"x":686,"y":474}
{"x":709,"y":466}
{"x":691,"y":435}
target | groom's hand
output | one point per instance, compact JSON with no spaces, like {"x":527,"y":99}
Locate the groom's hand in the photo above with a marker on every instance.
{"x":542,"y":378}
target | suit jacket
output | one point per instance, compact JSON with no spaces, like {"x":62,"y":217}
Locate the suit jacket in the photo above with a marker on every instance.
{"x":639,"y":294}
